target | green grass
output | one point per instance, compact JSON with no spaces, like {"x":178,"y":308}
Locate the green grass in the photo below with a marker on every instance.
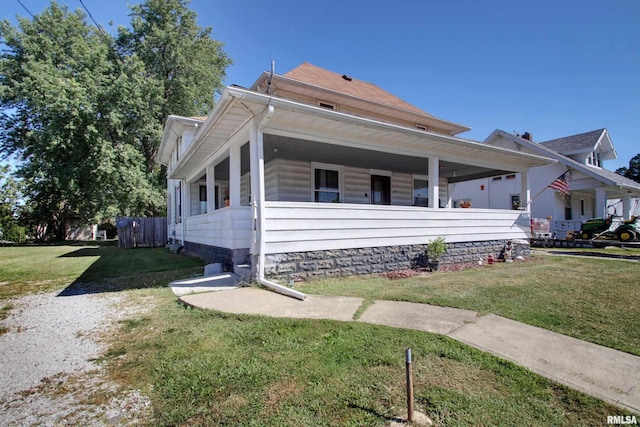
{"x":590,"y":299}
{"x":208,"y":368}
{"x":205,"y":368}
{"x":38,"y":268}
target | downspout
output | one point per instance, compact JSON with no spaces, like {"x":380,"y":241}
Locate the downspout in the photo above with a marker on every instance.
{"x":259,"y":214}
{"x":183,"y":207}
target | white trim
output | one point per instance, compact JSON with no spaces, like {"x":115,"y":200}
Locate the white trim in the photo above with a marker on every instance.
{"x":330,"y":167}
{"x":380,"y":172}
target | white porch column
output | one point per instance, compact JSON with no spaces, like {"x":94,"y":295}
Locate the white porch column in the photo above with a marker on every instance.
{"x":601,"y":202}
{"x":256,"y":150}
{"x":525,"y":191}
{"x":234,"y":175}
{"x":211,"y":189}
{"x":626,"y":206}
{"x":434,"y":178}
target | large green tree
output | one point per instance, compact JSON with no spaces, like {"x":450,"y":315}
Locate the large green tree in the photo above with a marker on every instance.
{"x":84,"y":111}
{"x":633,"y":171}
{"x":184,"y":65}
{"x":60,"y":91}
{"x":10,"y":204}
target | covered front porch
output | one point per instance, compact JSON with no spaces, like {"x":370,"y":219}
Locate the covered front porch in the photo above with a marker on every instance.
{"x":271,"y":177}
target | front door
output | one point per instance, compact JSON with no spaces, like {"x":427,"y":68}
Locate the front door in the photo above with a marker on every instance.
{"x":380,"y":190}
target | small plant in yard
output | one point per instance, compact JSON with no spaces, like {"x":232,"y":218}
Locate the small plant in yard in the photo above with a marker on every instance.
{"x":435,"y":249}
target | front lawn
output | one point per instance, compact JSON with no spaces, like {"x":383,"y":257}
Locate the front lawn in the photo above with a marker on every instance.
{"x":203,"y":368}
{"x":591,"y":299}
{"x":28,"y":269}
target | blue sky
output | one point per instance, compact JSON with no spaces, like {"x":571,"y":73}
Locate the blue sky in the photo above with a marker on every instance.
{"x":552,"y":68}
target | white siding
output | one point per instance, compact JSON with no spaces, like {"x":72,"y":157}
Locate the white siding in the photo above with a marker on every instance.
{"x":288,"y":180}
{"x":357,"y":183}
{"x":401,"y":189}
{"x":225,"y":228}
{"x":297,"y":227}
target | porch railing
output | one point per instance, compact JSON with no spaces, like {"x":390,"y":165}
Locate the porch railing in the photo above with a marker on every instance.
{"x":301,"y":227}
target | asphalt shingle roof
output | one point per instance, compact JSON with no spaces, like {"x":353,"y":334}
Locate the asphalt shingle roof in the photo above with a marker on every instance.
{"x":311,"y":74}
{"x":574,"y":143}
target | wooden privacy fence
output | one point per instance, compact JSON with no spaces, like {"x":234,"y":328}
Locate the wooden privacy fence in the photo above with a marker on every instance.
{"x":136,"y":232}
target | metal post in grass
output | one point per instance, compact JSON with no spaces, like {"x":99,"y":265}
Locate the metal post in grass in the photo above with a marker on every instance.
{"x":409,"y":385}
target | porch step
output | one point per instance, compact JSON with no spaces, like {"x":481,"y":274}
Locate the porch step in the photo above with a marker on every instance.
{"x":216,"y":282}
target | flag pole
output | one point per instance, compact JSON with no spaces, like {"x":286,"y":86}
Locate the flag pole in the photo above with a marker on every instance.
{"x":541,"y":191}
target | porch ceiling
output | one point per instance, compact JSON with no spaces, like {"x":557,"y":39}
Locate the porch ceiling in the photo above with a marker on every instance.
{"x":276,"y":146}
{"x":212,"y":136}
{"x":350,"y":131}
{"x":333,"y":137}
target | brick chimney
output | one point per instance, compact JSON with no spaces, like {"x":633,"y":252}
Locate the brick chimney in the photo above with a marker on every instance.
{"x":527,"y":136}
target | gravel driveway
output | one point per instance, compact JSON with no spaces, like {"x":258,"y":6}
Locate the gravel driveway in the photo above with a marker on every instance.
{"x":47,"y":377}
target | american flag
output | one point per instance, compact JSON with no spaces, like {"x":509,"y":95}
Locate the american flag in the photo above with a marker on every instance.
{"x":561,"y":184}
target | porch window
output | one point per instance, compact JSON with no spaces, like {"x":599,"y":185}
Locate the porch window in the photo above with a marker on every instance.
{"x":420,"y":192}
{"x":326,"y":185}
{"x":515,"y":201}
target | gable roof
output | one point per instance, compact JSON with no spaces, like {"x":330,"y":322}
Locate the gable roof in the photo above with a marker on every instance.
{"x":606,"y":177}
{"x":583,"y":143}
{"x":311,"y":74}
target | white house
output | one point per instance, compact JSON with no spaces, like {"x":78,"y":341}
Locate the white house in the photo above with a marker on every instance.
{"x":314,"y":173}
{"x":593,"y":190}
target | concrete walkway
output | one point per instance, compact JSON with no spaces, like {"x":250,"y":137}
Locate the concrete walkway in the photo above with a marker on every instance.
{"x":610,"y":375}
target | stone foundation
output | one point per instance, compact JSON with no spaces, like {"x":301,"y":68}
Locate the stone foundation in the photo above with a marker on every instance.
{"x":349,"y":262}
{"x":214,"y":254}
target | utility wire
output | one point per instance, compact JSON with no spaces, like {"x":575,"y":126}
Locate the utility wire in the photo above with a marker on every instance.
{"x":107,"y":38}
{"x":35,"y":20}
{"x":25,"y":8}
{"x":99,"y":27}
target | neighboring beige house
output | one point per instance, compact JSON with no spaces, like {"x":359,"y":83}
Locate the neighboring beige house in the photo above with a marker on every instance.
{"x":314,"y":173}
{"x":593,"y":190}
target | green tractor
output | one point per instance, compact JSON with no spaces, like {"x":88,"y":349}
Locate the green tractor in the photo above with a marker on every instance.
{"x":595,"y":226}
{"x":628,"y":231}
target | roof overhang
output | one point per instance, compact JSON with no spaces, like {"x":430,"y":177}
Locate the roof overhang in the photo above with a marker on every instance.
{"x":237,"y":106}
{"x":173,"y":128}
{"x":605,"y":146}
{"x":614,"y":181}
{"x":291,"y":85}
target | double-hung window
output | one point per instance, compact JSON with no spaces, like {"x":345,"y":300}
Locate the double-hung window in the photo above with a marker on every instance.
{"x":326,"y":184}
{"x":420,"y":190}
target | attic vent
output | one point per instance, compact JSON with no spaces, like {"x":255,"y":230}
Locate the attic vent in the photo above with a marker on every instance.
{"x":347,"y":78}
{"x":421,"y":127}
{"x":326,"y":105}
